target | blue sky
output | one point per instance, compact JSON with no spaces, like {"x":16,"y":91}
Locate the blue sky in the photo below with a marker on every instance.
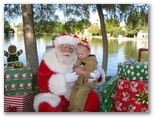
{"x":94,"y":17}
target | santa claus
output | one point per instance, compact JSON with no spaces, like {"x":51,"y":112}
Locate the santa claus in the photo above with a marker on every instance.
{"x":56,"y":78}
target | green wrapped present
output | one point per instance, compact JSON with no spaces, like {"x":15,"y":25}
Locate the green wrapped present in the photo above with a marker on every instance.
{"x":17,"y":81}
{"x":108,"y":90}
{"x":136,"y":71}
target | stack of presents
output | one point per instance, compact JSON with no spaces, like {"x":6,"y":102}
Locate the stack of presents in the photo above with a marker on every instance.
{"x":128,"y":90}
{"x":18,"y":90}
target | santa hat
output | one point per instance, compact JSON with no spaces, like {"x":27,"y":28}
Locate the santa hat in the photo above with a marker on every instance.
{"x":66,"y":39}
{"x":85,"y":44}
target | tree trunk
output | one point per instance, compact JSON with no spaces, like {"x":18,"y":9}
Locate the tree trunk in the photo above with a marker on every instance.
{"x":104,"y":38}
{"x":29,"y":39}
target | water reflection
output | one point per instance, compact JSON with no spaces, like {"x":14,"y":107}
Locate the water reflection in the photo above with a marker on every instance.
{"x":118,"y":51}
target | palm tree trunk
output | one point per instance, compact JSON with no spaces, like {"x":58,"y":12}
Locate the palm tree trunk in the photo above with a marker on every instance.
{"x":104,"y":37}
{"x":30,"y":40}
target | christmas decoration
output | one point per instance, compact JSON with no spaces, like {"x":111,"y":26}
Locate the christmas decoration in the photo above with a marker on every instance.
{"x":12,"y":108}
{"x":139,"y":53}
{"x":12,"y":55}
{"x":17,"y":64}
{"x":17,"y":81}
{"x":19,"y":103}
{"x":142,"y":97}
{"x":129,"y":96}
{"x":131,"y":91}
{"x":132,"y":70}
{"x":106,"y":94}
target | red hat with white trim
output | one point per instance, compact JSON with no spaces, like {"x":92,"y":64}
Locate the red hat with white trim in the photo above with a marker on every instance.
{"x":85,"y":44}
{"x":66,"y":39}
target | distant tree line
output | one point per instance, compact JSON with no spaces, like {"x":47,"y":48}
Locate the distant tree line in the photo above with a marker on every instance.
{"x":53,"y":28}
{"x":7,"y":28}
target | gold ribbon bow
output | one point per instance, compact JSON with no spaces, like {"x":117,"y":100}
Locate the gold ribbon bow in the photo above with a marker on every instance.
{"x":17,"y":64}
{"x":142,"y":97}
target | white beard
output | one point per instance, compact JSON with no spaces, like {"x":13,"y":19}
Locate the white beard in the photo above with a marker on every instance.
{"x":62,"y":58}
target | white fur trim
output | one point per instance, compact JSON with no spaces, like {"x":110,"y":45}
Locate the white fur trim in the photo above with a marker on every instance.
{"x":57,"y":84}
{"x":52,"y":99}
{"x":102,"y":75}
{"x":65,"y":40}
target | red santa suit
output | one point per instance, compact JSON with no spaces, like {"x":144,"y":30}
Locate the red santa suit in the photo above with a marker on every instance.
{"x":54,"y":90}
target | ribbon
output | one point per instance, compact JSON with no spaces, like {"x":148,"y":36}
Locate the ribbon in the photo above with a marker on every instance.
{"x":12,"y":108}
{"x":129,"y":61}
{"x":17,"y":64}
{"x":142,"y":97}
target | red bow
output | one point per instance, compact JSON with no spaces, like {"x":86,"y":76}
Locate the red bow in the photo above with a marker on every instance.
{"x":12,"y":108}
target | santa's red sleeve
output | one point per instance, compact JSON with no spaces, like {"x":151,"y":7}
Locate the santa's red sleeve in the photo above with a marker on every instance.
{"x":50,"y":81}
{"x":44,"y":74}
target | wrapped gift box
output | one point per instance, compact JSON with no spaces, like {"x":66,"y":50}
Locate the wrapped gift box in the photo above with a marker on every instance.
{"x":126,"y":96}
{"x":17,"y":81}
{"x":136,"y":71}
{"x":19,"y":103}
{"x":108,"y":89}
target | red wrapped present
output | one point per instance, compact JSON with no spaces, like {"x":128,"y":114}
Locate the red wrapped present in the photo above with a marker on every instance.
{"x":19,"y":103}
{"x":130,"y":96}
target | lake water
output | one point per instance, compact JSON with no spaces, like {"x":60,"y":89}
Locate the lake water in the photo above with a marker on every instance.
{"x":118,"y":50}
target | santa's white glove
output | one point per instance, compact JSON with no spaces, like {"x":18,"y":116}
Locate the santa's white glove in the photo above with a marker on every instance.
{"x":71,"y":77}
{"x":91,"y":80}
{"x":96,"y":74}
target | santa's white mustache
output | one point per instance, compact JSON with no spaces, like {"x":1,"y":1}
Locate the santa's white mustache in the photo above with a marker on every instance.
{"x":66,"y":53}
